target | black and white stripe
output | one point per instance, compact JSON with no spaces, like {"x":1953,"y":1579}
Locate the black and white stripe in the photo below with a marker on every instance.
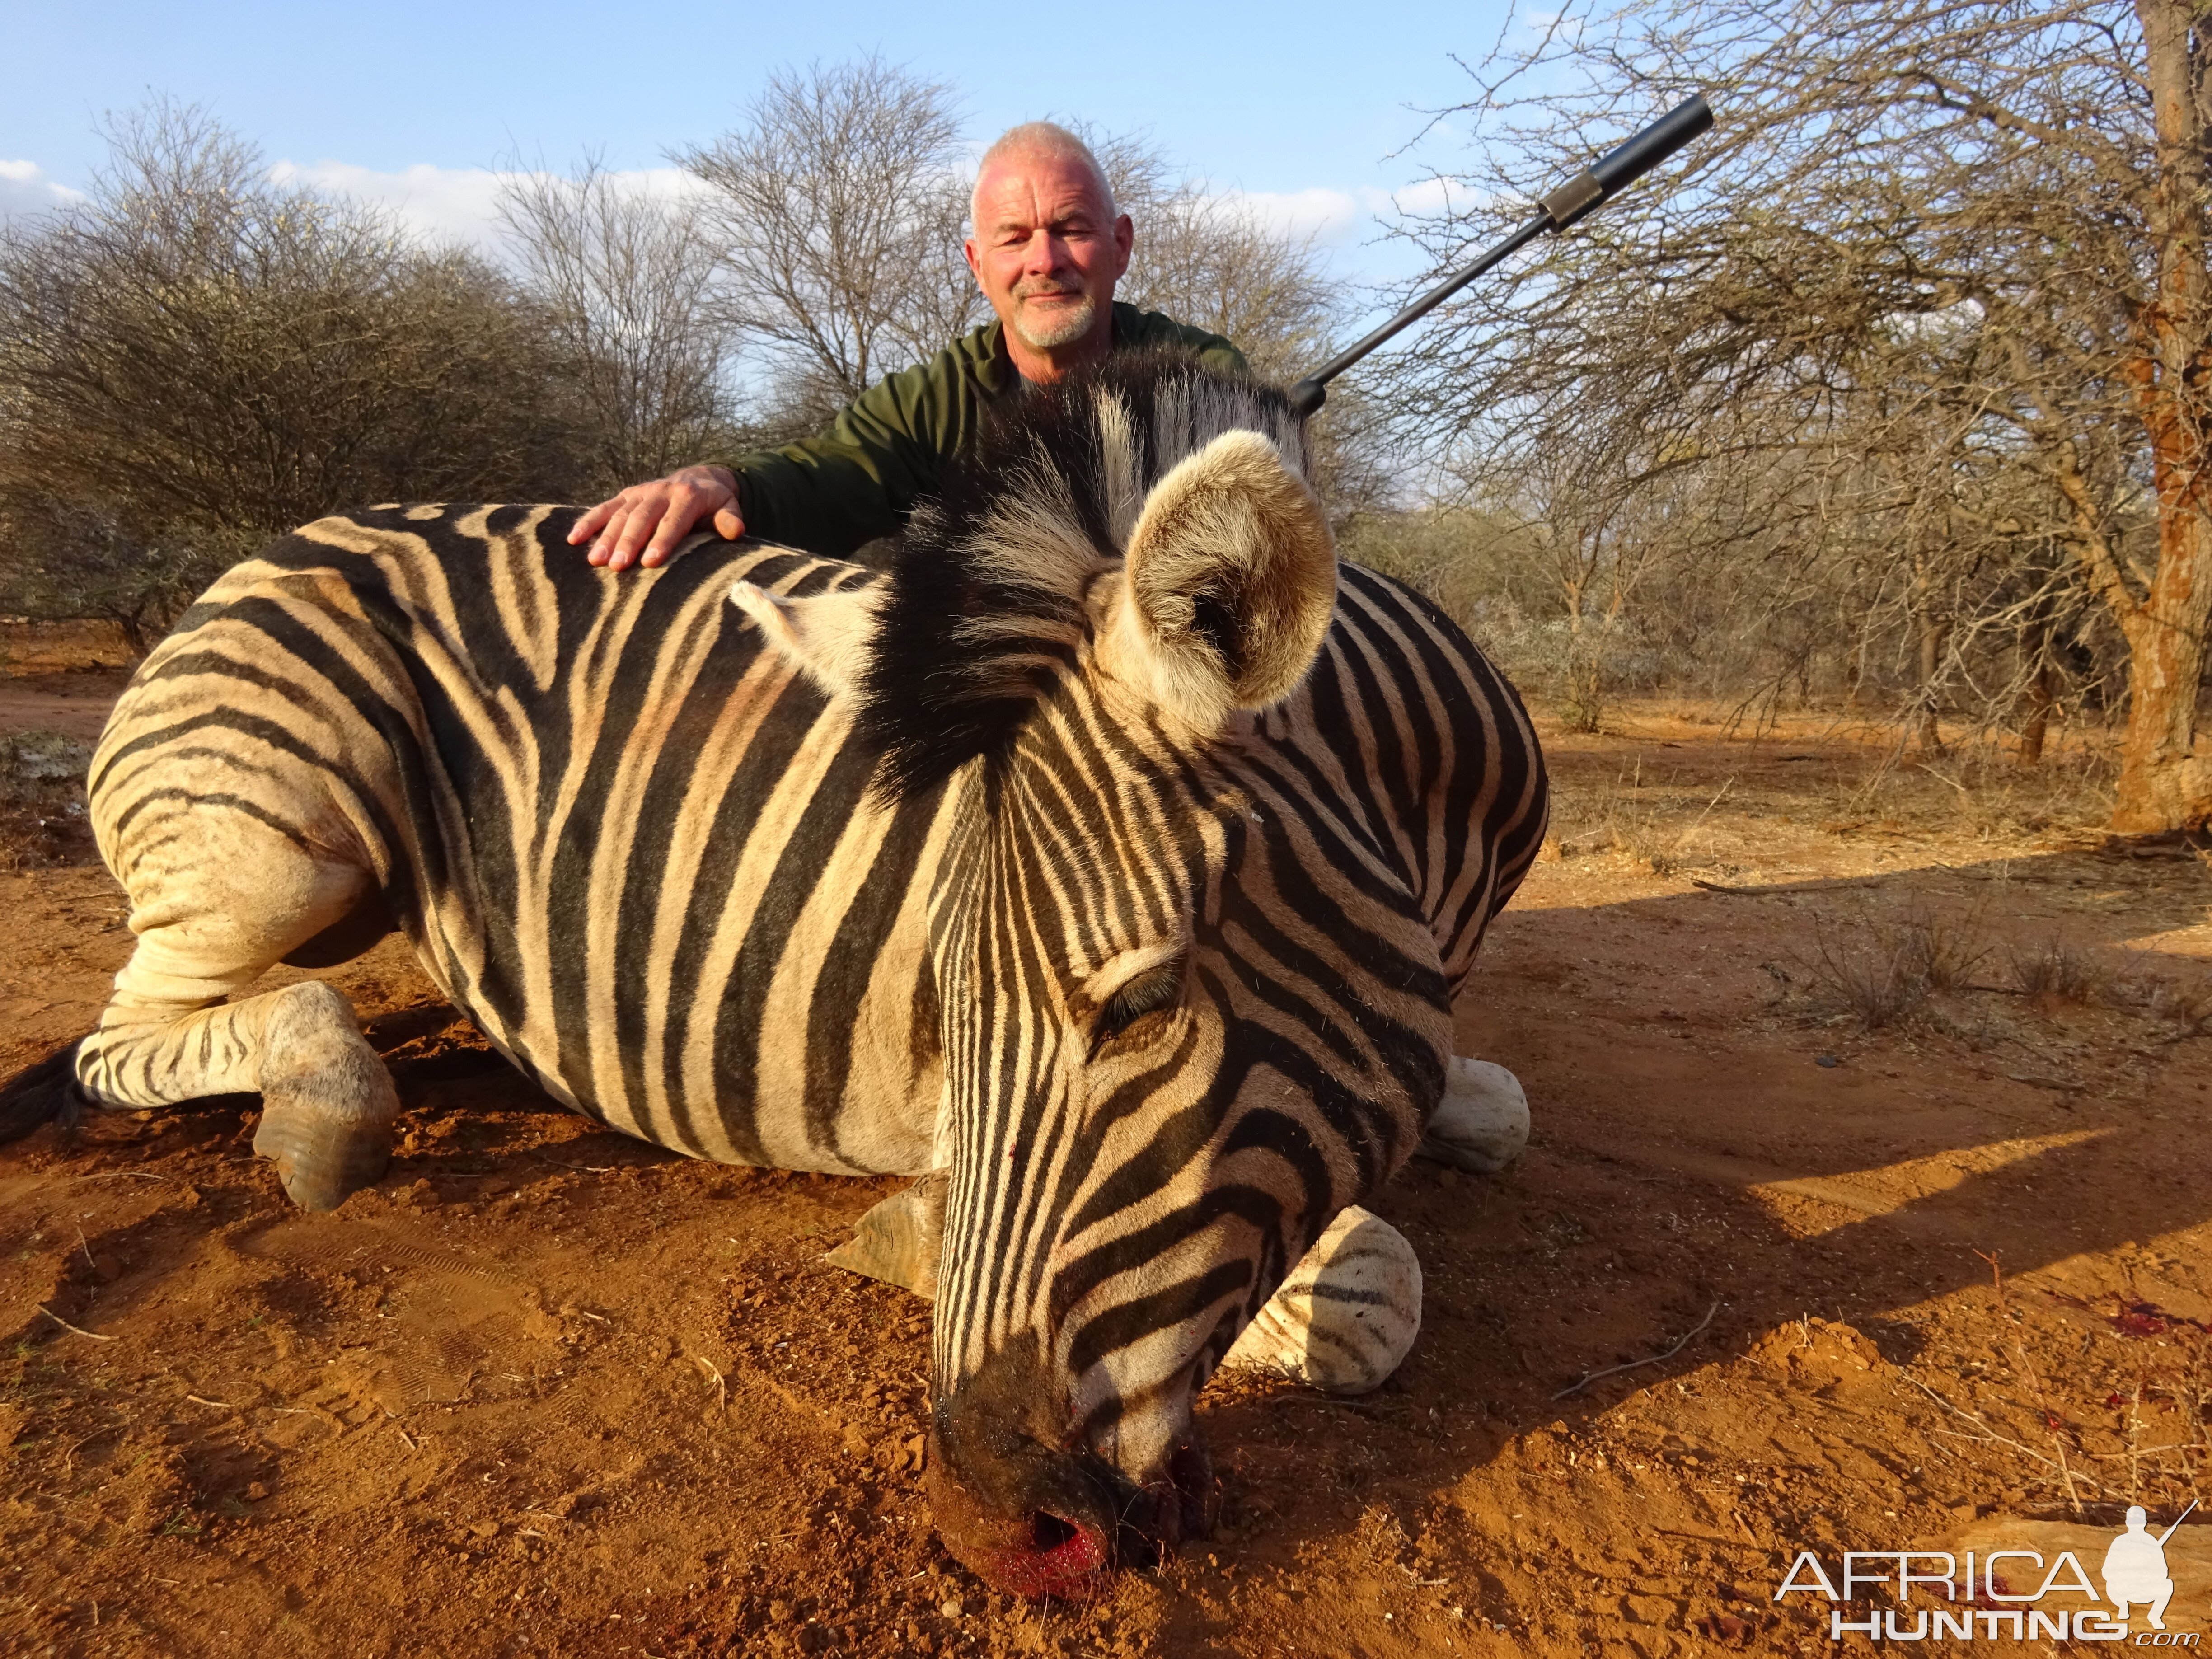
{"x":1138,"y":912}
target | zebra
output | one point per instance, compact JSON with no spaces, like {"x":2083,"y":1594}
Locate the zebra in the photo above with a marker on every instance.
{"x":1111,"y":861}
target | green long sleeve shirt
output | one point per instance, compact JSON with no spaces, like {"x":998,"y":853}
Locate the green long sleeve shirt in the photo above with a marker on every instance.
{"x":889,"y":446}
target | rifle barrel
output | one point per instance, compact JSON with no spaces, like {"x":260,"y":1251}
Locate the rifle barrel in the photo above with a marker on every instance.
{"x":1590,"y":188}
{"x":2176,"y":1527}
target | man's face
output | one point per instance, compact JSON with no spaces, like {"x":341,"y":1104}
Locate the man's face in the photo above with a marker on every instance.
{"x":1046,"y":250}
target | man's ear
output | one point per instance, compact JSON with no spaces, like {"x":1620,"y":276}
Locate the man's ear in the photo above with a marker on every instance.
{"x":828,"y":636}
{"x":1229,"y":585}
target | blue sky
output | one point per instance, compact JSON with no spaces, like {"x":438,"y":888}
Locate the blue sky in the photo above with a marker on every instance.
{"x":1301,"y":105}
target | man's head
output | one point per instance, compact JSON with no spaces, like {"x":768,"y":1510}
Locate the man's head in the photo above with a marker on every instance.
{"x":1047,"y":246}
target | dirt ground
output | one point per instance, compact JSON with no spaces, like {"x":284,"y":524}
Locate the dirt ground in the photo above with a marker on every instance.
{"x":1873,"y":1096}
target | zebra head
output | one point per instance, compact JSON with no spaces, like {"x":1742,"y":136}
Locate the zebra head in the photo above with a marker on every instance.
{"x":1190,"y":1008}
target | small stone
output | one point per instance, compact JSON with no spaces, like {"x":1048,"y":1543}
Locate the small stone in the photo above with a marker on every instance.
{"x":484,"y":1528}
{"x":1827,"y":1062}
{"x":950,"y":1607}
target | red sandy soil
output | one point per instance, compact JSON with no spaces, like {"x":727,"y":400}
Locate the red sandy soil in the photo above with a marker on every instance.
{"x":547,"y":1391}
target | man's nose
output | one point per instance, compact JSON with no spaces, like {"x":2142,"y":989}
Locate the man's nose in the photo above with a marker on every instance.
{"x":1046,"y":254}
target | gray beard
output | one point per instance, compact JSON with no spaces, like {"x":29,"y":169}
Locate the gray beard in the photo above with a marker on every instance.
{"x":1071,"y":327}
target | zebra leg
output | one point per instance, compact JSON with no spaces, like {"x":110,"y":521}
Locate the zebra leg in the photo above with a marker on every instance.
{"x":1346,"y":1316}
{"x":1482,"y":1122}
{"x":167,"y":1036}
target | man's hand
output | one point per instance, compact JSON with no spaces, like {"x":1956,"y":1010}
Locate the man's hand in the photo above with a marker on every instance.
{"x":644,"y":523}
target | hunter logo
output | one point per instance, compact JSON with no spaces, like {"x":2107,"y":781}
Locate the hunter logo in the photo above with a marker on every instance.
{"x":2010,"y":1594}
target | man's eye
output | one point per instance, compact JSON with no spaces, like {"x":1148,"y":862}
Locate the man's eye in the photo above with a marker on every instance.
{"x":1155,"y":989}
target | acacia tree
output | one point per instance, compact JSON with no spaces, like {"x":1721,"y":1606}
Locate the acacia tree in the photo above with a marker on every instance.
{"x":837,"y":207}
{"x":627,"y":281}
{"x":193,"y":360}
{"x":1987,"y":217}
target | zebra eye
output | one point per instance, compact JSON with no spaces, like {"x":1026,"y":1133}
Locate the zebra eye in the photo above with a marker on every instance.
{"x":1155,"y":989}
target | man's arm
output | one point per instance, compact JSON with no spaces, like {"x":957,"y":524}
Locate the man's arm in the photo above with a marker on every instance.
{"x":827,"y":494}
{"x":858,"y":480}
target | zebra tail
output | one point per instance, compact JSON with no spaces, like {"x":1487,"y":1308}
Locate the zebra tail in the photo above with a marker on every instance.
{"x":41,"y":1094}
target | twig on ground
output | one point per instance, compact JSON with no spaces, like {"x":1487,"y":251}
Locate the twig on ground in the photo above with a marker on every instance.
{"x":78,"y":1330}
{"x":220,"y":1405}
{"x":1990,"y":1437}
{"x":1629,"y":1366}
{"x":1777,"y":892}
{"x":1683,"y":840}
{"x":2052,"y":1420}
{"x":404,"y":1435}
{"x":86,"y":1248}
{"x":721,"y":1388}
{"x":122,"y":1175}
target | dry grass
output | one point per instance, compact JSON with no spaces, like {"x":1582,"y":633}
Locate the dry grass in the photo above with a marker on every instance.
{"x":1884,"y":971}
{"x":42,"y":813}
{"x":2054,"y":972}
{"x":2183,"y":1009}
{"x":1642,"y":819}
{"x":1981,"y":786}
{"x":2186,"y":1008}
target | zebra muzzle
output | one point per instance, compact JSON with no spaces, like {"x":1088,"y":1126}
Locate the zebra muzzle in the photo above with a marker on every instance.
{"x":1033,"y":1509}
{"x":1027,"y":1519}
{"x":1035,"y":1519}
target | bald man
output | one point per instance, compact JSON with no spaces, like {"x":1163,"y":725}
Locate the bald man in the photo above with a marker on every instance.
{"x":1049,"y":245}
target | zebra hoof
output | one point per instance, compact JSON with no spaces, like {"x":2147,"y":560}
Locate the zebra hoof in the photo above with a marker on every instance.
{"x":327,"y":1103}
{"x":1482,"y":1122}
{"x":1347,"y":1315}
{"x":898,"y":1241}
{"x":320,"y":1165}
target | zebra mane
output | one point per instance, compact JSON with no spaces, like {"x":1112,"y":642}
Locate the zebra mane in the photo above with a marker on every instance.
{"x":984,"y":610}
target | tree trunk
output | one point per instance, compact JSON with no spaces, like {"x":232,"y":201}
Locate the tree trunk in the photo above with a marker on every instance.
{"x":2042,"y":694}
{"x":1934,"y":633}
{"x":2164,"y":783}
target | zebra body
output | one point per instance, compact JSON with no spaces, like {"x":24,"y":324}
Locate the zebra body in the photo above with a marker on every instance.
{"x":1117,"y":856}
{"x":635,"y":847}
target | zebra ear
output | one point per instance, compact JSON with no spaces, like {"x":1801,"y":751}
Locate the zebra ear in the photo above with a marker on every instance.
{"x":829,"y":635}
{"x":1230,"y":581}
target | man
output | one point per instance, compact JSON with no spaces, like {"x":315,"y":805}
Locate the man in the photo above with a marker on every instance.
{"x":1049,"y":245}
{"x":2135,"y":1569}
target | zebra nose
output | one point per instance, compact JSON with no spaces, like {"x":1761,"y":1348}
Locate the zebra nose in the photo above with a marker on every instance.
{"x":1066,"y":1553}
{"x":1015,"y":1497}
{"x":1028,"y":1519}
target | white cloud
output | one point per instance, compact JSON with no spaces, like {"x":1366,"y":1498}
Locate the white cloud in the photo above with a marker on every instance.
{"x":1339,"y":218}
{"x":459,"y":205}
{"x":447,"y":204}
{"x":1429,"y":197}
{"x":25,"y":189}
{"x":1330,"y":217}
